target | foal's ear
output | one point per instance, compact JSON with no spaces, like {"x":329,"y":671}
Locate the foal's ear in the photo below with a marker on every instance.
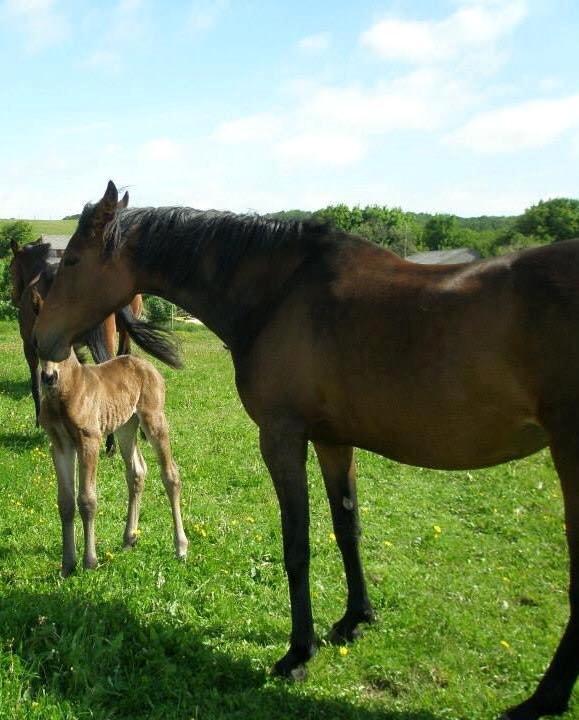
{"x":124,"y":201}
{"x":15,"y":246}
{"x":36,"y":301}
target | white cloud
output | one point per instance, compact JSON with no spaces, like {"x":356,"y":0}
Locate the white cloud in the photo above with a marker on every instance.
{"x":328,"y":149}
{"x":39,"y":20}
{"x":530,"y":124}
{"x":161,"y":150}
{"x":204,"y":14}
{"x":253,"y":128}
{"x":315,"y":43}
{"x":473,"y":27}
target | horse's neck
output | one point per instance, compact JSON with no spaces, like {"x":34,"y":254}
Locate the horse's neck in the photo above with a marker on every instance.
{"x":236,"y":310}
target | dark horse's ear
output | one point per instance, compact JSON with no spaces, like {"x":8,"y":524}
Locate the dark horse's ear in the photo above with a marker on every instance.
{"x":15,"y":246}
{"x":107,"y":205}
{"x":124,"y":201}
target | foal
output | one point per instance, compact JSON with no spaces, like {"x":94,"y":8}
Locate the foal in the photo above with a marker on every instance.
{"x":81,"y":403}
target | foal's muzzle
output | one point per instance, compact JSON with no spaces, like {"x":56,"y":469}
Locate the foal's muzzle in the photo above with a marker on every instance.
{"x":47,"y":379}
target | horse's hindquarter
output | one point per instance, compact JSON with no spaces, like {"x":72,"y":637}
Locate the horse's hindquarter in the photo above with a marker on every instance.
{"x":425,"y":365}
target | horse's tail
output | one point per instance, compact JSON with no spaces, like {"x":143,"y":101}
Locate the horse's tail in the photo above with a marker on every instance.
{"x":153,"y":339}
{"x":95,"y":341}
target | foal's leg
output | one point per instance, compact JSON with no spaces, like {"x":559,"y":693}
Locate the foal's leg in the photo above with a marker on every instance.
{"x":553,"y":692}
{"x":135,"y":471}
{"x":156,"y":430}
{"x":338,"y":469}
{"x":88,"y":452}
{"x":283,"y":447}
{"x":63,"y":457}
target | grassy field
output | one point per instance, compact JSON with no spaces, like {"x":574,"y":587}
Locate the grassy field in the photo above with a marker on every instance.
{"x":50,"y":227}
{"x":467,"y":572}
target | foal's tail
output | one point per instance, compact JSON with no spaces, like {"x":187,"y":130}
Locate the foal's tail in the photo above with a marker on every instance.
{"x":151,"y":338}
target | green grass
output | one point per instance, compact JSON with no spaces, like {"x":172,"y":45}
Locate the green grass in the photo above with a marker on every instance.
{"x":50,"y":227}
{"x":468,"y":617}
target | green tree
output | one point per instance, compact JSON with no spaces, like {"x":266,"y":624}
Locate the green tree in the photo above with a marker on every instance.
{"x":550,"y":220}
{"x":18,"y":231}
{"x":441,"y":232}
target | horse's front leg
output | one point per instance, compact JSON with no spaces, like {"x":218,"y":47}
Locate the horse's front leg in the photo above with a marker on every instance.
{"x":88,"y":451}
{"x":554,"y":691}
{"x":283,"y":447}
{"x":63,"y":457}
{"x":34,"y":366}
{"x":339,"y":472}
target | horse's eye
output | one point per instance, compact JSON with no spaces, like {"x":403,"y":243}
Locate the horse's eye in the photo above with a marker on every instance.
{"x":70,"y":261}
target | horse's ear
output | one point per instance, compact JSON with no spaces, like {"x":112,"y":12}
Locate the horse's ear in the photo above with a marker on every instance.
{"x":107,"y":205}
{"x":36,"y":301}
{"x":14,"y":246}
{"x":124,"y":201}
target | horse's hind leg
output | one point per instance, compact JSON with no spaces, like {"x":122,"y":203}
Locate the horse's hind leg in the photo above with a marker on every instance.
{"x":156,"y":430}
{"x":135,"y":472}
{"x":63,"y":457}
{"x":553,"y":692}
{"x":339,"y":472}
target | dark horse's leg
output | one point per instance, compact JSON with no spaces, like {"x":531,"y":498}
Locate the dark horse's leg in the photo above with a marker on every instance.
{"x":339,"y":471}
{"x":283,"y":446}
{"x":33,"y":364}
{"x":553,"y":692}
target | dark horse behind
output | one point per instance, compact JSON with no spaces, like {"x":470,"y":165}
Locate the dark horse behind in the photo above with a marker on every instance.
{"x":339,"y":342}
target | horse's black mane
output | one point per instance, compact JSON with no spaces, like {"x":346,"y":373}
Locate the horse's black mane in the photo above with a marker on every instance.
{"x":175,"y":238}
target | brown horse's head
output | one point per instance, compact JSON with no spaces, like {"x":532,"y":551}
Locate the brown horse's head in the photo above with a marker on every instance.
{"x":27,"y":262}
{"x":93,"y":279}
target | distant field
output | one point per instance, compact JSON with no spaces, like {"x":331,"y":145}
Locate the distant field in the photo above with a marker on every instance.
{"x":467,"y":571}
{"x":50,"y":227}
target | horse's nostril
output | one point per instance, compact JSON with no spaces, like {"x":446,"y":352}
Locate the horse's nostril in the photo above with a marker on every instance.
{"x":47,"y":379}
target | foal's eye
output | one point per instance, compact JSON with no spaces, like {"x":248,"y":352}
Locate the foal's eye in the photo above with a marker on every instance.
{"x":70,"y":261}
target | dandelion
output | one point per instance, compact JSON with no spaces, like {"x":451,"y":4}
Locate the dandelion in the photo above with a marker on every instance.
{"x":437,"y":529}
{"x":343,"y":651}
{"x":387,"y":543}
{"x":505,"y":644}
{"x":109,"y":555}
{"x":332,"y":537}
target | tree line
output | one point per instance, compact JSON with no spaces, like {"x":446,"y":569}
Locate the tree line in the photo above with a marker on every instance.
{"x":403,"y":232}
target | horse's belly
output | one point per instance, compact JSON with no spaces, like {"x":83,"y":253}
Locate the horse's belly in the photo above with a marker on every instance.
{"x":442,"y":442}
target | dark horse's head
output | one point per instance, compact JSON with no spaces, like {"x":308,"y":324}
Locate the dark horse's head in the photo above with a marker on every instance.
{"x":26,"y":264}
{"x":92,"y":279}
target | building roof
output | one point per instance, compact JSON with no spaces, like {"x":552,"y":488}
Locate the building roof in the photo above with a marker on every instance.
{"x":58,"y":242}
{"x":445,"y":257}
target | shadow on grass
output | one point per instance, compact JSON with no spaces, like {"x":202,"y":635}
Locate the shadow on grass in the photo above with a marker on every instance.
{"x":21,"y":442}
{"x":108,"y":664}
{"x":15,"y":389}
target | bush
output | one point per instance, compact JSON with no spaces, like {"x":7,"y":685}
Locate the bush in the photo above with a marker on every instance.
{"x":18,"y":230}
{"x":158,"y":310}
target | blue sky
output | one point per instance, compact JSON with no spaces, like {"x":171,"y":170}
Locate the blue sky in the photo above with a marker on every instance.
{"x":462,"y":106}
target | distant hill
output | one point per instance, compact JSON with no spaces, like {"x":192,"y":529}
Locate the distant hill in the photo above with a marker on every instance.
{"x":50,"y":227}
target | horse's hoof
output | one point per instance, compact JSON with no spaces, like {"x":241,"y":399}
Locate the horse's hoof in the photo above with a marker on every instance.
{"x":292,"y":666}
{"x":90,"y":564}
{"x":347,"y":629}
{"x":533,"y":709}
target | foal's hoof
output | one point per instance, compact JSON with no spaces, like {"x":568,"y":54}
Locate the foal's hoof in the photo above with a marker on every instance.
{"x":347,"y":629}
{"x":67,"y":570}
{"x":293,"y":664}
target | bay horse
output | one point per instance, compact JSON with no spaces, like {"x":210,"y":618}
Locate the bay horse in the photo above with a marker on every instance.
{"x":81,"y":403}
{"x":342,"y":343}
{"x":35,"y":264}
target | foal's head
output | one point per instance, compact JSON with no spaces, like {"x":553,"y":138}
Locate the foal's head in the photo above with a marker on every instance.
{"x":93,"y":279}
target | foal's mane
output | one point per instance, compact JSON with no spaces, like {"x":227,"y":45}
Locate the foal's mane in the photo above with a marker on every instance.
{"x":175,"y":238}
